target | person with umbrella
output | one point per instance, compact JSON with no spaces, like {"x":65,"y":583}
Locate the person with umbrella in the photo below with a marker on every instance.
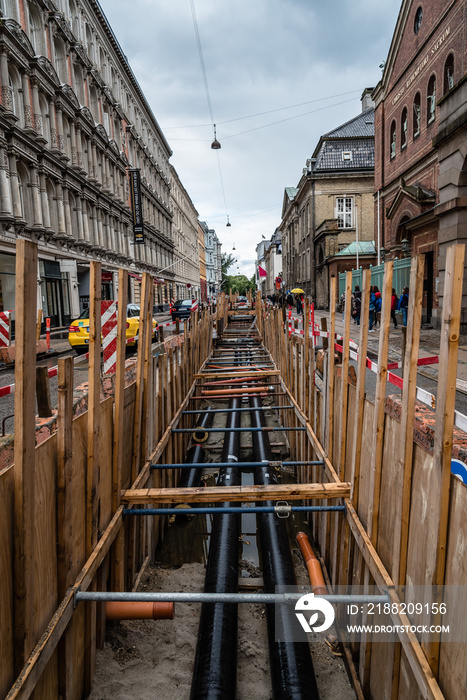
{"x":299,"y":299}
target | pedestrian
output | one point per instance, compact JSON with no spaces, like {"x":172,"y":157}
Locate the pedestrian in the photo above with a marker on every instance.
{"x":372,"y":309}
{"x":403,"y":304}
{"x":377,"y":294}
{"x":299,"y":304}
{"x":357,"y":299}
{"x":394,"y":302}
{"x":342,"y":305}
{"x":289,"y":300}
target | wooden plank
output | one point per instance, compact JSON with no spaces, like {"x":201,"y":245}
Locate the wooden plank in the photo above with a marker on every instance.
{"x":380,"y":403}
{"x":360,"y":393}
{"x":248,"y":493}
{"x":137,"y":433}
{"x":119,"y":438}
{"x":330,"y":353}
{"x":345,"y":374}
{"x":7,"y":554}
{"x":24,"y":453}
{"x":92,"y":475}
{"x":442,"y":448}
{"x":65,"y":535}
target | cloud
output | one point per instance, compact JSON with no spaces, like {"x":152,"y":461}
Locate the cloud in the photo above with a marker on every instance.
{"x":259,"y":55}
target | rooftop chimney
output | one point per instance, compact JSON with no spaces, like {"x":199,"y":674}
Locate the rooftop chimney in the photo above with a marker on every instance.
{"x":366,"y":99}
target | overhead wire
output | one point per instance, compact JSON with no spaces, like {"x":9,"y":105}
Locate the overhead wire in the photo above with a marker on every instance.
{"x":280,"y":121}
{"x":269,"y":111}
{"x":208,"y":97}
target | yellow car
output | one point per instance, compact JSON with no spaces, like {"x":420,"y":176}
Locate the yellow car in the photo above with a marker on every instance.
{"x":78,"y":332}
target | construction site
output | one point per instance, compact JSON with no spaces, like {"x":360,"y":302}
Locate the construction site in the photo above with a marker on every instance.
{"x":195,"y":511}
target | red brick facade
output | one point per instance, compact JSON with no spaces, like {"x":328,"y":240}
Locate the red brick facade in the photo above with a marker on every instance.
{"x":427,"y":57}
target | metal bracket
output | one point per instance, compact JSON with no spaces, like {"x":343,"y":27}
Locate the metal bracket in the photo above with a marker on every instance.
{"x":275,"y":465}
{"x":75,"y":601}
{"x":282,"y":509}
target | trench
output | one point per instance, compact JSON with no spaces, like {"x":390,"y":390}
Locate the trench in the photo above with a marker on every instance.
{"x":247,"y":551}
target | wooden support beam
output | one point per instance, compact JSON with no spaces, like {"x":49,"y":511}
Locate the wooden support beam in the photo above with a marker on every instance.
{"x":217,"y":494}
{"x":330,"y":354}
{"x":345,"y":374}
{"x":24,"y":448}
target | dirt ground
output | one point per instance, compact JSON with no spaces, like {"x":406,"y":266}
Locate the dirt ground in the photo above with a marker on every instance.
{"x":146,"y":659}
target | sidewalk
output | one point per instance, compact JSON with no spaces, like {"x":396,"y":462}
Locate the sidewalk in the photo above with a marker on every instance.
{"x":429,"y":344}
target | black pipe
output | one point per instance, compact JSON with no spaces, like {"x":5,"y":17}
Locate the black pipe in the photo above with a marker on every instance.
{"x":215,"y":668}
{"x":292,"y":672}
{"x":196,"y":454}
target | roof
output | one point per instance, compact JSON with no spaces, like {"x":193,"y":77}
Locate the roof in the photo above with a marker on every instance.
{"x":291,"y":192}
{"x":364,"y":248}
{"x":361,"y":126}
{"x":356,"y":137}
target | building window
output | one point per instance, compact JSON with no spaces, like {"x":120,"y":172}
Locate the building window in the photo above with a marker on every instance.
{"x":418,"y":20}
{"x":392,"y":140}
{"x":344,"y":212}
{"x":431,"y":100}
{"x":448,"y":74}
{"x":417,"y":115}
{"x":346,"y":155}
{"x":404,"y":126}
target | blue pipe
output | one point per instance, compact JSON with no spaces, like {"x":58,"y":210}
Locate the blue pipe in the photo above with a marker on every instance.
{"x":230,"y":509}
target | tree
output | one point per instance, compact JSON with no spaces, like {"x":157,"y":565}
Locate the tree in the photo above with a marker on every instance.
{"x":227,"y":260}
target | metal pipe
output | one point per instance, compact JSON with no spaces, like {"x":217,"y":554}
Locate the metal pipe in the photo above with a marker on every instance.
{"x":187,"y":597}
{"x":215,"y":667}
{"x":243,"y":465}
{"x":222,"y":397}
{"x":233,"y":509}
{"x":292,"y":672}
{"x":230,"y":410}
{"x":195,"y":456}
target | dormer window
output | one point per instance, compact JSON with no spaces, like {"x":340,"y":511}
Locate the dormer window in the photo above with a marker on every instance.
{"x":346,"y":155}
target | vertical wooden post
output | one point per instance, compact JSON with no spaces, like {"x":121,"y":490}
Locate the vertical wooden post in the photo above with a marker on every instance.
{"x":345,"y":375}
{"x":66,"y":571}
{"x":332,"y":332}
{"x":143,"y":330}
{"x":44,"y":405}
{"x":24,"y":468}
{"x":92,"y":472}
{"x":118,"y":438}
{"x":360,"y":392}
{"x":442,"y":448}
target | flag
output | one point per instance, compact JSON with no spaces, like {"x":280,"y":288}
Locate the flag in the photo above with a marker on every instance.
{"x":261,"y":271}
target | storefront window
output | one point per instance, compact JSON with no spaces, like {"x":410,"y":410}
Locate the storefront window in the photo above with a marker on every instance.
{"x":7,"y":282}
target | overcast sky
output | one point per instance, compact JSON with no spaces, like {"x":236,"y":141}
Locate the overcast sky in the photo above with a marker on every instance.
{"x":260,"y":55}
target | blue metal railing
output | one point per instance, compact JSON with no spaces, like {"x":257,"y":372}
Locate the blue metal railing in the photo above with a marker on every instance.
{"x":400,"y":279}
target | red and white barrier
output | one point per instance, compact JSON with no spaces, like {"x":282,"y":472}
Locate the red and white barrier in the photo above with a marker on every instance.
{"x":5,"y":336}
{"x":109,"y":335}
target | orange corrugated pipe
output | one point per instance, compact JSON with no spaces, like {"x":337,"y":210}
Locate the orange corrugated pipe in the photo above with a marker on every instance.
{"x":312,"y":564}
{"x":130,"y":610}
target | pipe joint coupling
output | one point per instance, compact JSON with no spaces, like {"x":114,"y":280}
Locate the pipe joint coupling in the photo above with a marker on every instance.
{"x":282,"y":509}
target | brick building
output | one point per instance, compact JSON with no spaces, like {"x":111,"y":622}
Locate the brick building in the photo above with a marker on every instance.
{"x":331,"y":207}
{"x":420,"y":142}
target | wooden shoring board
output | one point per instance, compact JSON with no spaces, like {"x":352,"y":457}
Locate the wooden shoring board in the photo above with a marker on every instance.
{"x":360,"y":393}
{"x":142,"y":334}
{"x":217,"y":494}
{"x":65,"y":569}
{"x":330,"y":353}
{"x":92,"y":475}
{"x":32,"y":670}
{"x":345,"y":374}
{"x":118,"y":569}
{"x":24,"y":453}
{"x":442,"y":448}
{"x":409,"y":393}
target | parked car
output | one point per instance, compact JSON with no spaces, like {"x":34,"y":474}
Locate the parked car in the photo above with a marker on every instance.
{"x":181,"y":309}
{"x":242,"y":302}
{"x":78,"y":332}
